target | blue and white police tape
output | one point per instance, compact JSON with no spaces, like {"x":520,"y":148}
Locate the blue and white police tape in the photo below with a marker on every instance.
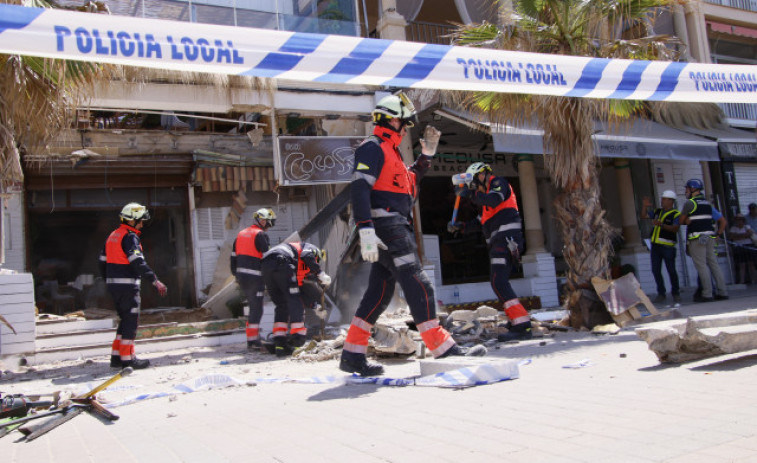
{"x":164,"y":44}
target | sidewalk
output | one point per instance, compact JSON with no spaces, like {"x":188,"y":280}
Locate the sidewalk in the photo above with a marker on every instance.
{"x":623,"y":407}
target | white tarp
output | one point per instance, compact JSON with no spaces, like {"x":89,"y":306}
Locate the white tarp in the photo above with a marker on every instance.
{"x":352,"y":60}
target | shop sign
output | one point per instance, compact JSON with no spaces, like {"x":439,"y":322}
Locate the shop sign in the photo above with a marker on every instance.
{"x":316,"y":160}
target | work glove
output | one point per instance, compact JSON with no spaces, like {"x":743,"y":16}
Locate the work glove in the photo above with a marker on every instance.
{"x":462,"y":190}
{"x":454,"y":227}
{"x":370,"y":244}
{"x":324,"y":279}
{"x":162,"y":289}
{"x":430,"y":140}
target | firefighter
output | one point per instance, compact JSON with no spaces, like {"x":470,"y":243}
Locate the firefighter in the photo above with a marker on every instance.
{"x":698,"y":215}
{"x":383,"y":191}
{"x":246,"y":255}
{"x":501,"y":225}
{"x":123,"y":265}
{"x":285,"y":267}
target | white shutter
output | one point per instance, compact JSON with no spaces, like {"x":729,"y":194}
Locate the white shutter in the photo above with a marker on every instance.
{"x":746,"y":183}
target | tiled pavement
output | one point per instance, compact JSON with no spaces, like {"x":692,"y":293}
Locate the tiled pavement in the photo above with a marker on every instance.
{"x":624,"y":407}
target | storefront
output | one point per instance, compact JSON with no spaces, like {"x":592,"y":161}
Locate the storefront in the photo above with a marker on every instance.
{"x":72,"y":204}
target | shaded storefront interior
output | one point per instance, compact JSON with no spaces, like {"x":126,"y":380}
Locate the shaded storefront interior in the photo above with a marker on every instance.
{"x":71,"y":210}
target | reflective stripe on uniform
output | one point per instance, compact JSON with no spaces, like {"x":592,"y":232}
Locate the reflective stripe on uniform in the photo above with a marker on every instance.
{"x":370,"y":179}
{"x":362,"y":324}
{"x":135,"y":256}
{"x":123,"y":281}
{"x":280,"y":329}
{"x":425,"y":326}
{"x":499,"y":261}
{"x":249,"y":271}
{"x":509,"y":226}
{"x":376,"y":213}
{"x":404,"y":260}
{"x":294,"y":290}
{"x":355,"y":348}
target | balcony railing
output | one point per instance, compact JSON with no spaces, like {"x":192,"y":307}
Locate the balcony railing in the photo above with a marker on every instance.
{"x":429,"y":32}
{"x":744,"y":111}
{"x":749,"y":5}
{"x":264,"y":14}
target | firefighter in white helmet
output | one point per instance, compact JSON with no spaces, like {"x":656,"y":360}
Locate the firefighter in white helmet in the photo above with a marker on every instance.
{"x":383,"y":191}
{"x":501,"y":225}
{"x":664,"y":240}
{"x":123,"y":265}
{"x":246,"y":255}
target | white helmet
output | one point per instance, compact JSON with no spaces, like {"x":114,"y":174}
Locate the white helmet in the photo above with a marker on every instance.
{"x":265,"y":213}
{"x":134,"y":211}
{"x":670,"y":194}
{"x":392,"y":106}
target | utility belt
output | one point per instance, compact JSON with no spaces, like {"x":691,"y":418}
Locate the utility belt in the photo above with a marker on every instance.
{"x":702,"y":238}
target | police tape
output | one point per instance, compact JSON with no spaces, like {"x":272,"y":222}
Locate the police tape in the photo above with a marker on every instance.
{"x":479,"y":375}
{"x":306,"y":57}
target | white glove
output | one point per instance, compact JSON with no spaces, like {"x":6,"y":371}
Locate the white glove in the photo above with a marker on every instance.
{"x":430,"y":140}
{"x":324,"y":279}
{"x":370,"y":244}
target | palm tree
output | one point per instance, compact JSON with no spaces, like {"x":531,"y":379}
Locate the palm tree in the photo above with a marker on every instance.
{"x":595,"y":28}
{"x":36,"y":100}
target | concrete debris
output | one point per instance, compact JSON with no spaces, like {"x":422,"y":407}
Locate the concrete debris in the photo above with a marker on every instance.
{"x":610,"y":328}
{"x":321,"y":351}
{"x":394,"y":339}
{"x":700,"y":337}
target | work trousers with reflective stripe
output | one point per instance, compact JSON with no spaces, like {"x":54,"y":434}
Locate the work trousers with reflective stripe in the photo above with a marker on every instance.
{"x":253,"y":286}
{"x":501,"y":262}
{"x":398,"y":264}
{"x":127,"y":301}
{"x":280,"y":277}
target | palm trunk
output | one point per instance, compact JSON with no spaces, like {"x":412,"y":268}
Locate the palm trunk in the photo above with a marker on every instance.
{"x":587,"y":236}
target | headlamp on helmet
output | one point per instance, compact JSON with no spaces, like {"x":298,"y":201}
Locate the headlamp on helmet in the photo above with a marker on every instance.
{"x":267,"y":214}
{"x":320,"y":255}
{"x":134,"y":211}
{"x":395,"y":106}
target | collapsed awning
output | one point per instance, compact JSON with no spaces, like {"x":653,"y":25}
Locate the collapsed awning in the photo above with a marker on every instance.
{"x":734,"y":144}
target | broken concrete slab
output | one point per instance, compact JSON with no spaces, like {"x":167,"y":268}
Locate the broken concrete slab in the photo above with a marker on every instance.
{"x":700,"y":337}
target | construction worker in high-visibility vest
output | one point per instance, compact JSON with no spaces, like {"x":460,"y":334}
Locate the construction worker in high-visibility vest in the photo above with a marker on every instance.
{"x":501,"y":225}
{"x":123,"y":265}
{"x":664,"y":240}
{"x":246,"y":254}
{"x":383,"y":191}
{"x":285,"y":267}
